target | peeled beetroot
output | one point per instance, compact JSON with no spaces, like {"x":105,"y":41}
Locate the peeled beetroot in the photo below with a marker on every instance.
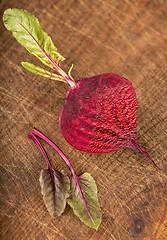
{"x":99,"y":115}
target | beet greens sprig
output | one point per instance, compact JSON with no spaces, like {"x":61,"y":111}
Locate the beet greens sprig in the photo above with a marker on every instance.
{"x":26,"y":29}
{"x":57,"y":189}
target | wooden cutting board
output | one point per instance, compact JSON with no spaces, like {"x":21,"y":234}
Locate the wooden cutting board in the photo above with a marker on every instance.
{"x":125,"y":37}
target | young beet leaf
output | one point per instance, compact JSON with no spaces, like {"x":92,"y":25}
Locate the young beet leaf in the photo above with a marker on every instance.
{"x":59,"y":193}
{"x":99,"y":114}
{"x":55,"y":188}
{"x":84,"y":200}
{"x":40,"y":71}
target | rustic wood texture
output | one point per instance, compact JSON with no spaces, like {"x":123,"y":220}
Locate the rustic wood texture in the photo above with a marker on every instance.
{"x":125,"y":37}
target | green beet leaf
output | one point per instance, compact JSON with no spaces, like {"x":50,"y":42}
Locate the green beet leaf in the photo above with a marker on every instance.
{"x":40,"y":71}
{"x":54,"y":195}
{"x":84,"y":200}
{"x":26,"y":29}
{"x":28,"y":32}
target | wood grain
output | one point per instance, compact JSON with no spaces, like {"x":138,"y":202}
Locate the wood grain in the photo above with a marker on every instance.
{"x":125,"y":37}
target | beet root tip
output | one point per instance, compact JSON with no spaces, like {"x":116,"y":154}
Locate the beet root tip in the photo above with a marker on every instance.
{"x":137,"y":148}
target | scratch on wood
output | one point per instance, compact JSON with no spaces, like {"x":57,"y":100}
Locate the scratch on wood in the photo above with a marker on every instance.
{"x":24,"y":101}
{"x":43,"y":224}
{"x":115,"y":220}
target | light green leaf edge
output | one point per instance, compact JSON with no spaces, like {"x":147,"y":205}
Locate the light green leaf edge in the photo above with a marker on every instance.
{"x":40,"y":71}
{"x":62,"y":187}
{"x":90,"y":195}
{"x":26,"y":29}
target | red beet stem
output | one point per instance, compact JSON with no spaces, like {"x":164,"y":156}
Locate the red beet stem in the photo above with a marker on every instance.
{"x":137,"y":148}
{"x":33,"y":137}
{"x":52,"y":144}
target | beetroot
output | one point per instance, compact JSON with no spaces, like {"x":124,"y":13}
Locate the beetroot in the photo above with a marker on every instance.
{"x":99,"y":115}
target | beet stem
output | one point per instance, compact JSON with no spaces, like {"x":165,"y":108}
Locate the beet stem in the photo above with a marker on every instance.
{"x":33,"y":137}
{"x":40,"y":135}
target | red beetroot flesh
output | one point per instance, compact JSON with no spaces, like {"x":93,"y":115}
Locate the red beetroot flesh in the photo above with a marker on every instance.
{"x":99,"y":115}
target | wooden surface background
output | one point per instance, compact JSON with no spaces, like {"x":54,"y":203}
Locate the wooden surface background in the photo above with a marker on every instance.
{"x":125,"y":37}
